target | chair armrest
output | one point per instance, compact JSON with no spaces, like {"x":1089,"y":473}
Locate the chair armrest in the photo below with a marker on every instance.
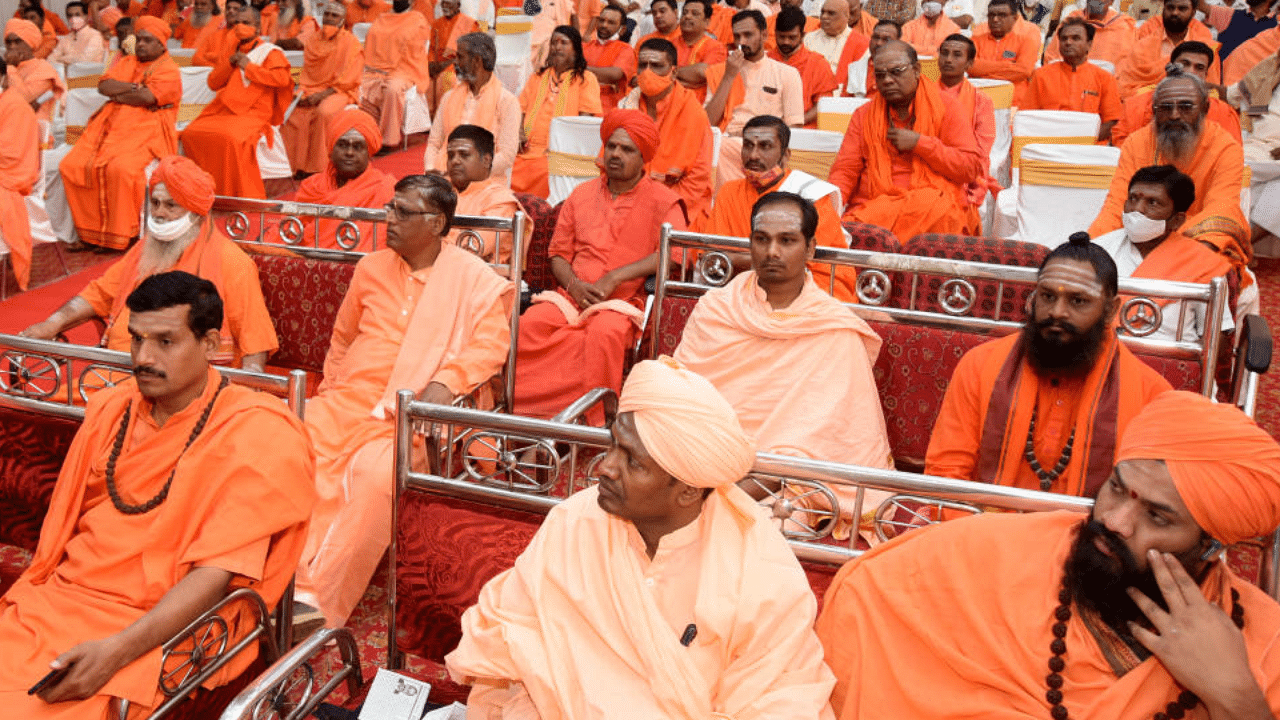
{"x":289,"y":689}
{"x":1253,"y":357}
{"x":596,"y":396}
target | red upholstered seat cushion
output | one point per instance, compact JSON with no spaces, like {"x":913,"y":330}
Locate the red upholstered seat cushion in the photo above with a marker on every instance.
{"x":537,"y":272}
{"x":32,"y":449}
{"x":872,"y":237}
{"x":303,"y":297}
{"x":973,"y":249}
{"x":1181,"y":374}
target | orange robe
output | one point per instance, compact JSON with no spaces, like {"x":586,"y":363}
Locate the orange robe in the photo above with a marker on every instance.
{"x":855,"y":46}
{"x":771,"y":22}
{"x":59,"y":26}
{"x":579,"y":628}
{"x":372,"y":189}
{"x":595,"y":233}
{"x":301,"y":29}
{"x":815,"y":76}
{"x":1150,"y":53}
{"x":224,"y":138}
{"x":731,"y":215}
{"x":1137,"y":114}
{"x":494,"y":108}
{"x":48,"y":40}
{"x":19,"y":171}
{"x":246,"y":326}
{"x":395,"y":59}
{"x":671,"y":36}
{"x":1217,"y":168}
{"x":397,"y":329}
{"x":270,"y":16}
{"x":328,"y":63}
{"x":707,"y":50}
{"x":192,"y":36}
{"x":1088,"y":88}
{"x":1012,"y":57}
{"x":239,"y":502}
{"x":32,"y":79}
{"x":721,"y":23}
{"x":104,"y":172}
{"x":1250,"y":53}
{"x":799,"y":378}
{"x":211,"y":45}
{"x":979,"y":648}
{"x":1112,"y":40}
{"x":358,"y":13}
{"x":617,"y":54}
{"x":926,"y":39}
{"x":488,"y":198}
{"x":544,"y":98}
{"x":977,"y":105}
{"x":916,"y":192}
{"x":981,"y":430}
{"x":686,"y":151}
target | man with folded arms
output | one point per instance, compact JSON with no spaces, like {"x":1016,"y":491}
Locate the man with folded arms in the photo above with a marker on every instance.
{"x":332,"y":61}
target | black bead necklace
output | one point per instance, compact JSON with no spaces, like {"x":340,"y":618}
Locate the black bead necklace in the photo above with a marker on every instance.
{"x":1047,"y":478}
{"x":1186,"y":700}
{"x":118,"y":445}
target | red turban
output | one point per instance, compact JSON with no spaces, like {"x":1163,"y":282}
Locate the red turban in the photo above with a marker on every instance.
{"x":154,"y":25}
{"x":190,"y":186}
{"x":25,"y":30}
{"x":1225,"y":468}
{"x":110,"y":16}
{"x":359,"y":120}
{"x":642,"y":130}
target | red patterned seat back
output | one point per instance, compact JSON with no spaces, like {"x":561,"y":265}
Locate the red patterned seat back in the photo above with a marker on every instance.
{"x":973,"y":249}
{"x":872,"y":237}
{"x":303,"y":297}
{"x":33,"y":447}
{"x":1181,"y":374}
{"x":675,"y":315}
{"x":542,"y":218}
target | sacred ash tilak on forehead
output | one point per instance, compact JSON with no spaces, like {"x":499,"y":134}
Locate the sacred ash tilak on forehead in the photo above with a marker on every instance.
{"x":1071,"y":277}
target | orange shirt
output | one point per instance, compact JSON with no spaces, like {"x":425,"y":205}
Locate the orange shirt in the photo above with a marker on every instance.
{"x":445,"y":33}
{"x":1012,"y":57}
{"x":926,"y":38}
{"x":1151,"y":49}
{"x":815,"y":76}
{"x":617,"y":54}
{"x":1113,"y":38}
{"x":770,"y":43}
{"x":683,"y":160}
{"x":488,"y":198}
{"x":1088,"y":88}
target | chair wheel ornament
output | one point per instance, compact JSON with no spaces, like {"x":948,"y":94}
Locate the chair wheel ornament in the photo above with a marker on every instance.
{"x":806,"y":510}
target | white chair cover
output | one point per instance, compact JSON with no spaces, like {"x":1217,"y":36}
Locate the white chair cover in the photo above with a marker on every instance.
{"x":855,"y":83}
{"x":1104,"y":64}
{"x":196,"y":93}
{"x":813,"y":151}
{"x":1063,"y":190}
{"x":361,"y":31}
{"x":417,"y":116}
{"x":82,"y":103}
{"x":716,"y":138}
{"x":572,"y":148}
{"x":1075,"y":128}
{"x":173,"y":44}
{"x":514,"y":44}
{"x":295,"y":57}
{"x":83,"y":69}
{"x":834,"y":112}
{"x":273,"y":162}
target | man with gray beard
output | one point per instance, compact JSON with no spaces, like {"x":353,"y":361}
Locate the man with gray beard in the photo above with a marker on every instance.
{"x":478,"y":99}
{"x":178,"y":236}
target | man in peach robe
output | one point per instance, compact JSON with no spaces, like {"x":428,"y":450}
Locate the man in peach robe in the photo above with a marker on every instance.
{"x":350,"y":180}
{"x":28,"y":76}
{"x":816,"y":79}
{"x":1038,"y":615}
{"x":19,"y":171}
{"x":1115,"y":32}
{"x":478,"y":99}
{"x":179,"y":236}
{"x":909,"y":179}
{"x":1195,"y":58}
{"x":1044,"y":409}
{"x":395,"y":61}
{"x":579,"y":628}
{"x":605,"y":245}
{"x":1008,"y":47}
{"x":611,"y":60}
{"x":773,"y":323}
{"x":480,"y":193}
{"x":445,"y":31}
{"x":420,"y":315}
{"x":83,"y":44}
{"x":1154,"y":43}
{"x":366,"y":11}
{"x":104,"y":174}
{"x":1253,"y":51}
{"x":210,"y":488}
{"x":683,"y":162}
{"x":1073,"y":83}
{"x":925,"y":33}
{"x":332,"y":64}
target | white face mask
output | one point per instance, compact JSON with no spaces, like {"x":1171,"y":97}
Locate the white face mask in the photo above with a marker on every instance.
{"x":76,"y":22}
{"x":1141,"y":229}
{"x":931,"y":9}
{"x":169,"y":231}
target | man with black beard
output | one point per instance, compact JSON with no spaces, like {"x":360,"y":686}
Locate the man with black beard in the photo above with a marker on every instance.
{"x":1129,"y":614}
{"x":1044,"y":408}
{"x":1154,"y":43}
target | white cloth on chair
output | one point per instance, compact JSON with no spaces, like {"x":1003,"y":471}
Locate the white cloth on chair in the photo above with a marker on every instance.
{"x":361,"y":31}
{"x":417,"y":116}
{"x":273,"y":162}
{"x":578,"y":138}
{"x":196,"y":93}
{"x":834,"y":112}
{"x":514,"y":43}
{"x":1062,"y":190}
{"x":1043,"y":126}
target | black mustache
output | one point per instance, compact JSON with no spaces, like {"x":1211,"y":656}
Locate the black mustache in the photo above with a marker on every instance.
{"x":148,"y":370}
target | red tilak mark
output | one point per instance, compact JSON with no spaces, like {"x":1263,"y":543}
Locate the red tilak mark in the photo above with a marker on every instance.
{"x":1133,"y":495}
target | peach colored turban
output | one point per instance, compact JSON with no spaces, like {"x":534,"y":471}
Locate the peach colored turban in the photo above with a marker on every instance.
{"x":358,"y":120}
{"x":686,"y":425}
{"x":154,"y":25}
{"x":190,"y":186}
{"x":25,"y":30}
{"x":642,"y":130}
{"x":110,"y":16}
{"x":1225,"y":468}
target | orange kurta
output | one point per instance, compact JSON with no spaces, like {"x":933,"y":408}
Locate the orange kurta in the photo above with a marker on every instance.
{"x":395,"y":59}
{"x":1088,"y":88}
{"x":983,"y":643}
{"x":595,"y":233}
{"x":373,"y":189}
{"x":1012,"y":57}
{"x":683,"y":159}
{"x":32,"y":79}
{"x":617,"y":54}
{"x":771,"y":23}
{"x":493,"y":108}
{"x":815,"y":76}
{"x":1250,"y":53}
{"x":978,"y":106}
{"x":246,"y":325}
{"x":397,"y":329}
{"x":192,"y":36}
{"x":1137,"y":114}
{"x":731,"y":215}
{"x":224,"y":138}
{"x":301,"y":29}
{"x":19,"y":171}
{"x":1150,"y":53}
{"x":545,"y":97}
{"x":981,"y":431}
{"x":488,"y":198}
{"x":239,"y":502}
{"x":445,"y":33}
{"x":1112,"y":40}
{"x":335,"y":63}
{"x":926,"y":38}
{"x":48,"y":40}
{"x":104,"y":172}
{"x":359,"y":13}
{"x":210,"y":45}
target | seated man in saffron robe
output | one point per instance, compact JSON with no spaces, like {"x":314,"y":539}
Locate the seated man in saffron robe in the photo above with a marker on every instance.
{"x":611,"y":60}
{"x":477,"y":99}
{"x":774,"y":321}
{"x":1043,"y":409}
{"x":19,"y":172}
{"x":1154,"y":43}
{"x":395,"y":61}
{"x":350,"y":180}
{"x":210,"y":47}
{"x":1194,"y":58}
{"x":1008,"y":46}
{"x":30,"y":77}
{"x":1151,"y":246}
{"x":816,"y":79}
{"x":1073,"y":83}
{"x":955,"y":57}
{"x":470,"y":150}
{"x":1114,"y":33}
{"x":332,"y":62}
{"x":254,"y":89}
{"x":179,"y":236}
{"x":445,"y":31}
{"x":832,"y":33}
{"x":909,"y":154}
{"x":696,"y":49}
{"x":1128,"y":612}
{"x":210,"y":488}
{"x":605,"y":245}
{"x":205,"y":20}
{"x":421,"y":315}
{"x":579,"y":628}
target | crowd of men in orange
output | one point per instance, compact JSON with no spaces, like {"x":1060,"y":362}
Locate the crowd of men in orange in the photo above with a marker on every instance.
{"x":668,"y":543}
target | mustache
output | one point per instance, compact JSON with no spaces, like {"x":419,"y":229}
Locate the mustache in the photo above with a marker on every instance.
{"x":148,"y":370}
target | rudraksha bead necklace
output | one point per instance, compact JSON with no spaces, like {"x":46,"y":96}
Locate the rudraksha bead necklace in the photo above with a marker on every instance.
{"x":1047,"y":478}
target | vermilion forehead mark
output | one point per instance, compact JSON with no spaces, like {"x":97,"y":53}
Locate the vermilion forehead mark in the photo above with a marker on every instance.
{"x":1133,"y":495}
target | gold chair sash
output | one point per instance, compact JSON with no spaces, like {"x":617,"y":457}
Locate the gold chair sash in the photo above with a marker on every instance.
{"x":572,"y":165}
{"x":1001,"y":95}
{"x":834,"y":121}
{"x":515,"y":28}
{"x":1065,"y":175}
{"x":815,"y":162}
{"x":83,"y":81}
{"x":1021,"y":142}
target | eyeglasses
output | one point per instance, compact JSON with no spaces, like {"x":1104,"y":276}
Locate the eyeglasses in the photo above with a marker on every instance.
{"x":395,"y":209}
{"x":895,"y":72}
{"x":1185,"y":106}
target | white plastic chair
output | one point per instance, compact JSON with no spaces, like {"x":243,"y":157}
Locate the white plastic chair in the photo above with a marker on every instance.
{"x":361,"y":31}
{"x":1057,"y":127}
{"x":572,"y":147}
{"x":813,"y":151}
{"x":1061,"y":190}
{"x":834,"y":112}
{"x":514,"y":44}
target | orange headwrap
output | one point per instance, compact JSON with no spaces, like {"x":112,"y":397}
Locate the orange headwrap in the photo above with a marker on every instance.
{"x":25,"y":30}
{"x":642,"y":130}
{"x":190,"y":186}
{"x":110,"y":16}
{"x":359,"y":120}
{"x":154,"y":25}
{"x":686,"y":425}
{"x":1225,"y":468}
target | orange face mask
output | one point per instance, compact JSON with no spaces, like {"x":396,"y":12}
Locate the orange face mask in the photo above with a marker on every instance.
{"x":651,"y":83}
{"x":245,"y":32}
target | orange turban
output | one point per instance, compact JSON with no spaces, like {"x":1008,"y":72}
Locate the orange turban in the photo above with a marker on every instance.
{"x":642,"y":130}
{"x":686,"y":425}
{"x":25,"y":30}
{"x":359,"y":120}
{"x":110,"y":16}
{"x":189,"y":185}
{"x":1225,"y":468}
{"x":154,"y":25}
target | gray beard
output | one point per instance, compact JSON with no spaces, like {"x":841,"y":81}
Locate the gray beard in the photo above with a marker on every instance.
{"x":199,"y":20}
{"x":158,"y":257}
{"x":1177,"y":145}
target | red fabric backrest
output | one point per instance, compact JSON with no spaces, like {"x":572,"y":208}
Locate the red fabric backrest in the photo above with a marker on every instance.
{"x":872,"y":237}
{"x":302,"y":297}
{"x":32,"y":449}
{"x":542,"y":217}
{"x":974,"y":249}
